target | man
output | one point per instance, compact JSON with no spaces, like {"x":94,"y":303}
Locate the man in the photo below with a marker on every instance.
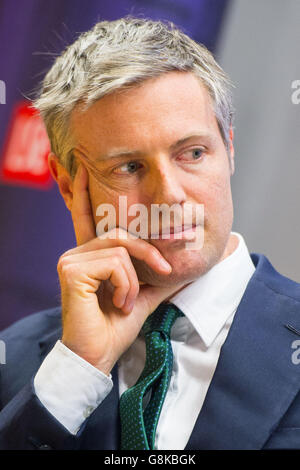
{"x":135,"y":108}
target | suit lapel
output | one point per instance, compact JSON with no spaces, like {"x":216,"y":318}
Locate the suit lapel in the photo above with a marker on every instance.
{"x":255,"y":380}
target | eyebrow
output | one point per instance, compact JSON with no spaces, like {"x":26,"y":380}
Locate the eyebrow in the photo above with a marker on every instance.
{"x":123,"y":152}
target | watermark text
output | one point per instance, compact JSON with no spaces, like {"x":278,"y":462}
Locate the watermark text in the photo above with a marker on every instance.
{"x":2,"y":92}
{"x":159,"y":222}
{"x":2,"y":352}
{"x":296,"y":354}
{"x":295,"y":97}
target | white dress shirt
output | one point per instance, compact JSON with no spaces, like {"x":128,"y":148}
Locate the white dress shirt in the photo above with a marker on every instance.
{"x":71,"y":388}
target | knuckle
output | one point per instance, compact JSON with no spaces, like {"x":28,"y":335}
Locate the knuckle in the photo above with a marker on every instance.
{"x":121,"y":251}
{"x":68,"y":271}
{"x":64,"y":259}
{"x":62,"y":262}
{"x":125,"y":284}
{"x":67,"y":253}
{"x":115,"y":262}
{"x":135,"y":289}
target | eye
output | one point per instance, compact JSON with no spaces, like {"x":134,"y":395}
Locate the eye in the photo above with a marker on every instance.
{"x":129,"y":167}
{"x":192,"y":154}
{"x":197,"y":153}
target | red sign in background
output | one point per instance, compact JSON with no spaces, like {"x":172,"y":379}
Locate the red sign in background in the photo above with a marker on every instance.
{"x":26,"y":149}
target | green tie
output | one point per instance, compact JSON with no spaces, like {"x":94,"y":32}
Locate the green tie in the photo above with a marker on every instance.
{"x":137,"y":426}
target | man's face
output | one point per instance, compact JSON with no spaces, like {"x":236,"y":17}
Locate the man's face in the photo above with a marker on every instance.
{"x":172,"y":153}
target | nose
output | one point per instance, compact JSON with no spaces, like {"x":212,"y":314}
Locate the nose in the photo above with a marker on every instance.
{"x":167,"y":185}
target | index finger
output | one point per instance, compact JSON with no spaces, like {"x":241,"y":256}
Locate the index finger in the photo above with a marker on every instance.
{"x":82,"y":214}
{"x":136,"y":247}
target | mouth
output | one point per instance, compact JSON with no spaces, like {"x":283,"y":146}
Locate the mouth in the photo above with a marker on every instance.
{"x":181,"y":232}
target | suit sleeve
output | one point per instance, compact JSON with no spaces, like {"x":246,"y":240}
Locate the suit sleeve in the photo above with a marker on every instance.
{"x":50,"y":412}
{"x":69,"y":387}
{"x":25,"y":424}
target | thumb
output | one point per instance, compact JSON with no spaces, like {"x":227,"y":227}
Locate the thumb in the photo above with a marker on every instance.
{"x":153,"y":296}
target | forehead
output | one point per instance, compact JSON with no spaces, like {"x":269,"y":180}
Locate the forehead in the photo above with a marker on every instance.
{"x":159,"y":109}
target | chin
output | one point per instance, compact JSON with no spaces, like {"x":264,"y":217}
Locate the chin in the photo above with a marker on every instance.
{"x":187,"y":267}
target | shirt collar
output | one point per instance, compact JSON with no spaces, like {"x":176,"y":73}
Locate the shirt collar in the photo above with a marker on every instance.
{"x":211,"y":299}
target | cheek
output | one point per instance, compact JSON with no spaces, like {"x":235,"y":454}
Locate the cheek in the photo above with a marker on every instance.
{"x":220,"y":214}
{"x":220,"y":192}
{"x":215,"y":193}
{"x":100,"y":196}
{"x":97,"y":197}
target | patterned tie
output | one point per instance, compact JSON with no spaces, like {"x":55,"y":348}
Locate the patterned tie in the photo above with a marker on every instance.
{"x":137,"y":426}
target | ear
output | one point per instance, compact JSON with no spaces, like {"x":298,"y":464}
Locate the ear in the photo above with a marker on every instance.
{"x":62,"y":178}
{"x":231,"y":150}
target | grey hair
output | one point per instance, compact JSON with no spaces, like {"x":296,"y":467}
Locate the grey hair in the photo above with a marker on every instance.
{"x":121,"y":54}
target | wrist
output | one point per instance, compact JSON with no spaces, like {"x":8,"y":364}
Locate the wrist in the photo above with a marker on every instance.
{"x":103,"y":365}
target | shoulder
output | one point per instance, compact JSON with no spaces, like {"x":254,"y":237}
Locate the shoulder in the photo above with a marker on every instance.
{"x":275,"y":292}
{"x":273,"y":280}
{"x":33,"y":326}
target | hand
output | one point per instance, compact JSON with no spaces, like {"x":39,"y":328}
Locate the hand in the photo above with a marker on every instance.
{"x":103,"y":305}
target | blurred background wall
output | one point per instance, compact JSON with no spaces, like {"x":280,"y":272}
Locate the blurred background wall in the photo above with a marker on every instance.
{"x":256,"y":41}
{"x":259,"y":48}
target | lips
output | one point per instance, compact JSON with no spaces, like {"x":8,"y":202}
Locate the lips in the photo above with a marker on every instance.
{"x":173,"y":230}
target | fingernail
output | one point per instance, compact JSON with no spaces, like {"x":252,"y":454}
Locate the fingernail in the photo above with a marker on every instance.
{"x":165,"y":265}
{"x":129,"y":306}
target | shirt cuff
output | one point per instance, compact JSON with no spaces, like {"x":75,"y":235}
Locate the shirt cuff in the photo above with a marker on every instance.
{"x":70,"y":387}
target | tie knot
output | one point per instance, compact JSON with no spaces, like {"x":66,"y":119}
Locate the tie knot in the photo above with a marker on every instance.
{"x":162,"y":319}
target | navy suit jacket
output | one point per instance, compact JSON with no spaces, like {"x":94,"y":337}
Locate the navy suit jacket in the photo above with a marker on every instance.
{"x":253,"y":401}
